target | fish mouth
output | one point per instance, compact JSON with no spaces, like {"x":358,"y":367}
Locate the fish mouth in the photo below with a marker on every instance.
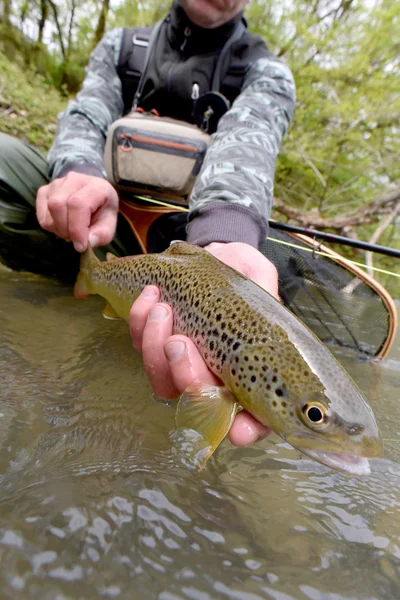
{"x":347,"y":463}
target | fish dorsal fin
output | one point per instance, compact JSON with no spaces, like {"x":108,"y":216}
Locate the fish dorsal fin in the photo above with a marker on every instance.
{"x":183,"y":248}
{"x":110,"y":256}
{"x":209,"y":410}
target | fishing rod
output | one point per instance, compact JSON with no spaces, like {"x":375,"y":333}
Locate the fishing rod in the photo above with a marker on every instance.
{"x":339,"y":239}
{"x":329,"y":237}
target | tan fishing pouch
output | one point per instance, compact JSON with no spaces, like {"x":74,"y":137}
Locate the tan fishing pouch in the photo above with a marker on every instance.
{"x":150,"y":154}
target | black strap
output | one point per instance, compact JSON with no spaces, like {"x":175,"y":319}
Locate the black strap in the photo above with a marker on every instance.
{"x":132,"y":56}
{"x":155,"y":33}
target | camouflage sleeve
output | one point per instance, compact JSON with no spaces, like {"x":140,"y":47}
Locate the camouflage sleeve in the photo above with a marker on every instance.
{"x":233,"y":194}
{"x":82,"y":127}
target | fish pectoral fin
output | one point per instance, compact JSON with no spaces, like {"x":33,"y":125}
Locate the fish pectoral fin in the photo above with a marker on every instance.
{"x":110,"y":256}
{"x":209,"y":410}
{"x":109,"y":312}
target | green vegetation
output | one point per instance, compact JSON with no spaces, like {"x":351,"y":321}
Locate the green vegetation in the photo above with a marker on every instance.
{"x":28,"y":103}
{"x":339,"y":167}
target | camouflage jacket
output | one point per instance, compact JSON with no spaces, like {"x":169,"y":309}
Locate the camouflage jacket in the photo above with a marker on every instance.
{"x":233,"y":193}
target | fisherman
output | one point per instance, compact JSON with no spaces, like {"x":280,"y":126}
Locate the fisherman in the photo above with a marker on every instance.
{"x":230,"y":202}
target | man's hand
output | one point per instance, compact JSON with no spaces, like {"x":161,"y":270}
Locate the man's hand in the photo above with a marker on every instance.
{"x":172,"y":362}
{"x":79,"y":208}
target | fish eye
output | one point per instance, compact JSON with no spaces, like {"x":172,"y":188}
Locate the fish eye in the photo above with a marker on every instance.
{"x":315,"y":413}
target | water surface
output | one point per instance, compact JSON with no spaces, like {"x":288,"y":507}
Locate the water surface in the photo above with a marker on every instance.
{"x":96,"y":502}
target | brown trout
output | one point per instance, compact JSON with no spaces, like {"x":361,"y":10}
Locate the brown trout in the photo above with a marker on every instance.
{"x":270,"y":363}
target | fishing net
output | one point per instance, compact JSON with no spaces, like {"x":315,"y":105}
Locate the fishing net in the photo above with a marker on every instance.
{"x":349,"y":314}
{"x":340,"y":308}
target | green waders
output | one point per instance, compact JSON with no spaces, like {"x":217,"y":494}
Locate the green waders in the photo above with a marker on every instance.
{"x":24,"y":245}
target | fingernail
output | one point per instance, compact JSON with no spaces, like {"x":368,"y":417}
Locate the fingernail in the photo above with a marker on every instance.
{"x":158,"y":313}
{"x":174,"y":350}
{"x":79,"y":247}
{"x":149,"y":292}
{"x":93,"y":240}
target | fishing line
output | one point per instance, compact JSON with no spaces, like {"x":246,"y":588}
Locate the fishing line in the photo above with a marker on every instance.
{"x":353,"y":262}
{"x":160,"y":203}
{"x":348,"y":260}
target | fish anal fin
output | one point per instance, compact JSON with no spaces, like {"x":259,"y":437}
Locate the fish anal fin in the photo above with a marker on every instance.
{"x":203,"y":417}
{"x":110,"y":313}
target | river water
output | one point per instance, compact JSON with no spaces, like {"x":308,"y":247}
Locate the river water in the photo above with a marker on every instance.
{"x":97,"y":503}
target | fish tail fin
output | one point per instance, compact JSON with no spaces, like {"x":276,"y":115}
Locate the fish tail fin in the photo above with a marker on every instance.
{"x":82,"y":284}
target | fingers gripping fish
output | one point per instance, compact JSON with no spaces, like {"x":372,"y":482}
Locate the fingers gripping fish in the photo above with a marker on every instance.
{"x":270,"y":363}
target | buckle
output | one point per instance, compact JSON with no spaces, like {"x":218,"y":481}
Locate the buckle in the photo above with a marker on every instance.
{"x":138,"y":41}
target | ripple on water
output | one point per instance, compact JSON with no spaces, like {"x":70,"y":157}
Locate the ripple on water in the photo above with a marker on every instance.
{"x":96,"y":503}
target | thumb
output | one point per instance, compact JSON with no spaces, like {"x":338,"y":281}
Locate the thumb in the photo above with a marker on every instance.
{"x":265,"y":274}
{"x":103,"y":227}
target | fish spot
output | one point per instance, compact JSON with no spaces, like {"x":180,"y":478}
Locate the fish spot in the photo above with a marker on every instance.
{"x":279,"y":392}
{"x":253,"y":378}
{"x":274,"y":379}
{"x":274,"y":403}
{"x":233,"y":371}
{"x":236,"y":345}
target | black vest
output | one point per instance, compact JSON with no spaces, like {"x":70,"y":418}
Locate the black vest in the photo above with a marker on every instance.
{"x":184,"y":55}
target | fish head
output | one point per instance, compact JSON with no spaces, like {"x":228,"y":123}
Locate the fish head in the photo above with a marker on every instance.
{"x":321,"y":414}
{"x":340,"y":434}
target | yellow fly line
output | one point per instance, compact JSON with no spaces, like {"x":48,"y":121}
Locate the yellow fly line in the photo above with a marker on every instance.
{"x":352,"y":262}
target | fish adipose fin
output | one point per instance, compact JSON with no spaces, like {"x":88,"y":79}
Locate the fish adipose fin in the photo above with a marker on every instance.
{"x":180,"y":248}
{"x":209,"y":410}
{"x":110,"y":313}
{"x":110,"y":256}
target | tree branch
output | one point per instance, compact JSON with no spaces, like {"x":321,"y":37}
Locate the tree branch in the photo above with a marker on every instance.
{"x":58,"y":26}
{"x":366,"y":214}
{"x":377,"y":234}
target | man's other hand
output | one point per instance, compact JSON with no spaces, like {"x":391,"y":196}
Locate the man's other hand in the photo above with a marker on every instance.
{"x":79,"y":208}
{"x":172,"y":362}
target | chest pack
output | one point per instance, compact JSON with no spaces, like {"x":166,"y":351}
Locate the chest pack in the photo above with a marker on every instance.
{"x":171,"y":108}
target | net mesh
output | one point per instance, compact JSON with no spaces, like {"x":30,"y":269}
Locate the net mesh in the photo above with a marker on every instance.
{"x":342,"y":310}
